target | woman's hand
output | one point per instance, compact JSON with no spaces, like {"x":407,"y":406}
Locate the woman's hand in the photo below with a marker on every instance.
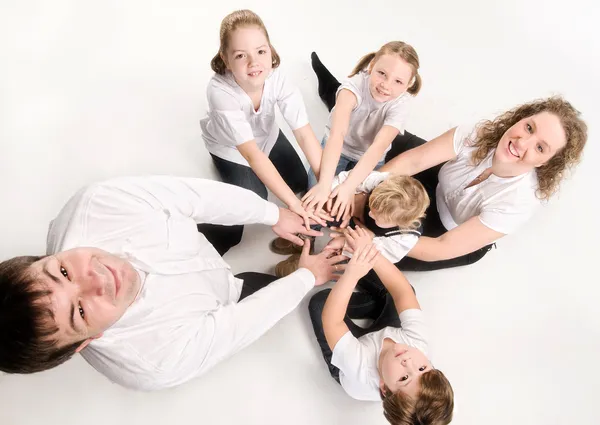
{"x":343,"y":205}
{"x":307,"y":216}
{"x":316,"y":197}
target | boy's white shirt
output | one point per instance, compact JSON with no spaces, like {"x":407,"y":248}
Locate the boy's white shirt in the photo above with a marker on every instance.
{"x":357,"y":358}
{"x":395,"y":247}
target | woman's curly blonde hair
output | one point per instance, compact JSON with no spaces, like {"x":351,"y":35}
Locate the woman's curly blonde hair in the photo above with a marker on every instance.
{"x":552,"y":172}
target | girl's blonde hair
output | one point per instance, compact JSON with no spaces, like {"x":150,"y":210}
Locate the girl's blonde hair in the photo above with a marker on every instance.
{"x":231,"y":22}
{"x":398,"y":48}
{"x":552,"y":172}
{"x":401,"y":200}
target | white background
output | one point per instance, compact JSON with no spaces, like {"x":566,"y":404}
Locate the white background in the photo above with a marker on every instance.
{"x":91,"y":90}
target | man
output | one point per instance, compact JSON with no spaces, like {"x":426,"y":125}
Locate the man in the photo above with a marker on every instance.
{"x":131,"y":284}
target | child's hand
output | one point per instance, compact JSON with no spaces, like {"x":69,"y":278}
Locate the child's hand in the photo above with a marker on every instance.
{"x":306,"y":216}
{"x":316,"y":197}
{"x":358,"y":238}
{"x":343,"y":206}
{"x":362,"y":261}
{"x":336,"y":243}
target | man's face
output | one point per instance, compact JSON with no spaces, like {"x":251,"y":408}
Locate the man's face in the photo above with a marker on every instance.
{"x":90,"y":290}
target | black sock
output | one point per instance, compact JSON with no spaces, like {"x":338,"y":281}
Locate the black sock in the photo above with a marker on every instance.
{"x":328,"y":84}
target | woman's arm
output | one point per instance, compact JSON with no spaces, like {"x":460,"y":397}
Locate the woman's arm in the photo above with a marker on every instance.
{"x":310,"y":146}
{"x":463,"y":239}
{"x":430,"y":154}
{"x":340,"y":120}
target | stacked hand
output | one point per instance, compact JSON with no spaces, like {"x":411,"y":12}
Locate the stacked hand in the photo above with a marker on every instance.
{"x":363,"y":260}
{"x":357,"y":238}
{"x":323,"y":266}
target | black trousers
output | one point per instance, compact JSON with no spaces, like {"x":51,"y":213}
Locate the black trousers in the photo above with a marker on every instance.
{"x":253,"y":282}
{"x":432,"y":225}
{"x":288,"y":164}
{"x":371,"y":302}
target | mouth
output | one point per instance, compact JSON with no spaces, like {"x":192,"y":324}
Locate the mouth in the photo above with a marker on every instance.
{"x":382,"y":93}
{"x":399,"y":353}
{"x":512,"y":150}
{"x":254,"y":74}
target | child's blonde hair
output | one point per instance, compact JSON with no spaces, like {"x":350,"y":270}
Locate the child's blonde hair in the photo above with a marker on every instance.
{"x":401,"y":200}
{"x":231,"y":22}
{"x":433,"y":405}
{"x":398,"y":48}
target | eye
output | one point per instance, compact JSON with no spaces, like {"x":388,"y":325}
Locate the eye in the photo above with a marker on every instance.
{"x":63,"y":271}
{"x":81,"y":312}
{"x":262,"y":51}
{"x":381,"y":73}
{"x":404,"y":378}
{"x":422,"y":368}
{"x":398,"y":82}
{"x":239,"y":56}
{"x":540,"y":148}
{"x":529,"y":128}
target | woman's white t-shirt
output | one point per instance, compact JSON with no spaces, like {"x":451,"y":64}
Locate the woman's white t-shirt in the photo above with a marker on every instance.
{"x":502,"y":204}
{"x":231,"y":119}
{"x":369,"y":116}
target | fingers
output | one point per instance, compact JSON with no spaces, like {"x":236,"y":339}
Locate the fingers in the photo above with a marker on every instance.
{"x":306,"y":248}
{"x":329,"y":205}
{"x":342,"y":210}
{"x":316,"y":219}
{"x":336,"y":259}
{"x":309,"y":232}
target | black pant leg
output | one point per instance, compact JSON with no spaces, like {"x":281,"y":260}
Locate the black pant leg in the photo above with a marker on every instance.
{"x":328,"y":84}
{"x":253,"y":282}
{"x":222,"y":237}
{"x":289,"y":165}
{"x":403,"y":143}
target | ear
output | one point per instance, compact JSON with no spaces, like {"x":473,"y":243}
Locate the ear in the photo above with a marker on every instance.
{"x":382,"y":386}
{"x":87,"y":342}
{"x":224,"y":60}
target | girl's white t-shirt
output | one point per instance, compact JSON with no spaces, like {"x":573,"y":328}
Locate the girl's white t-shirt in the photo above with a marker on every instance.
{"x":231,"y":119}
{"x":369,"y":116}
{"x":502,"y":204}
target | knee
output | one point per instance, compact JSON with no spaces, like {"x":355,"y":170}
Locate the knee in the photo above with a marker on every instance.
{"x":317,"y":302}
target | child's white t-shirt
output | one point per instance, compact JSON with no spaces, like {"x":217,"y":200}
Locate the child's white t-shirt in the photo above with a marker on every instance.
{"x":395,"y":247}
{"x":231,"y":119}
{"x":502,"y":204}
{"x":369,"y":116}
{"x":357,"y":359}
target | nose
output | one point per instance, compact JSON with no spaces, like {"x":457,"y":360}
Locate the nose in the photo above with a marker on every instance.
{"x":95,"y":282}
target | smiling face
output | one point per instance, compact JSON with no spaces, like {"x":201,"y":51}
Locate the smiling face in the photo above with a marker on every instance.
{"x":390,"y":76}
{"x":530,"y":143}
{"x":90,"y":290}
{"x":400,"y":368}
{"x":248,"y":57}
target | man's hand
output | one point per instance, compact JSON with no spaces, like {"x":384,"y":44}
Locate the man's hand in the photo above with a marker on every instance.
{"x":336,"y":243}
{"x":289,"y":225}
{"x":320,"y":266}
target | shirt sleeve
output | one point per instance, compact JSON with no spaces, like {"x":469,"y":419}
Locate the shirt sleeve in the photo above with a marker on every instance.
{"x":414,"y":327}
{"x":464,"y":135}
{"x":506,"y":218}
{"x":234,"y":326}
{"x":290,"y":103}
{"x":353,"y":84}
{"x":204,"y":201}
{"x":339,"y":179}
{"x":228,"y":122}
{"x":397,"y":115}
{"x":348,"y":356}
{"x":395,"y":248}
{"x":371,"y":181}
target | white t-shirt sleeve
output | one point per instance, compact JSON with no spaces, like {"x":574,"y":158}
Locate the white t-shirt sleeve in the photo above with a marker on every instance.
{"x":348,"y":356}
{"x":395,"y":248}
{"x":506,"y":218}
{"x":355,"y":85}
{"x":230,"y":125}
{"x":414,"y":327}
{"x":464,"y":136}
{"x":290,"y":103}
{"x":397,"y":115}
{"x":372,"y":181}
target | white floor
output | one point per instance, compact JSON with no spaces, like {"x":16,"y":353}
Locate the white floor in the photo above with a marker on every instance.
{"x":90,"y":90}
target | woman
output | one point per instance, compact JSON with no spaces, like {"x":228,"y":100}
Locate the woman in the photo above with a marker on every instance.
{"x":484,"y":179}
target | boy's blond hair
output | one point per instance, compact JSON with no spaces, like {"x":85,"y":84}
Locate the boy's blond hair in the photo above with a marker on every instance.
{"x":401,"y":200}
{"x":433,"y":405}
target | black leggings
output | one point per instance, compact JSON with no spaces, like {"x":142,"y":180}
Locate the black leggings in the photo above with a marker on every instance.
{"x":432,"y":225}
{"x":372,"y":302}
{"x":288,"y":164}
